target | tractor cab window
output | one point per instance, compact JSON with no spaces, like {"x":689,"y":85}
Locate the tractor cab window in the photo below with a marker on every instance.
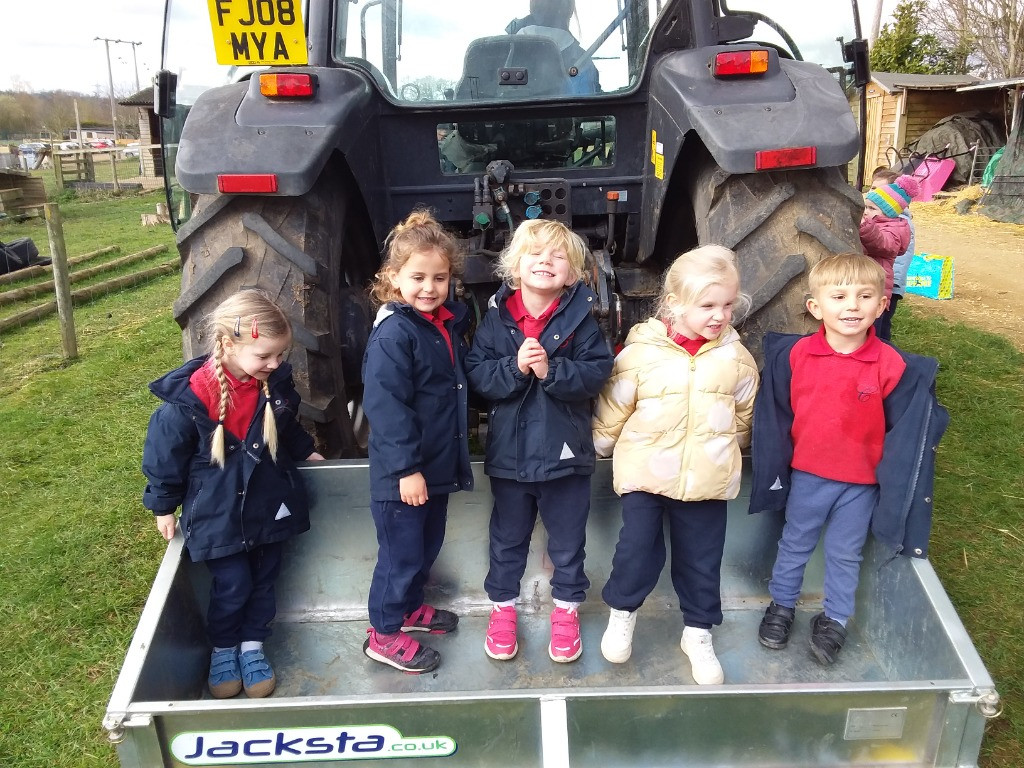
{"x":469,"y":51}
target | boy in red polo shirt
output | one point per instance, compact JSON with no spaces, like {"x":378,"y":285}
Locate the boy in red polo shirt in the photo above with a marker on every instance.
{"x":840,"y":378}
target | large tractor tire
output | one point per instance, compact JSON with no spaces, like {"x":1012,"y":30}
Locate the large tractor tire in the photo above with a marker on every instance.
{"x":779,"y":224}
{"x":313,"y":256}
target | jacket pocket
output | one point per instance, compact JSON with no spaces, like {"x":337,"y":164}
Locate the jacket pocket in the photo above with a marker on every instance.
{"x":191,"y":507}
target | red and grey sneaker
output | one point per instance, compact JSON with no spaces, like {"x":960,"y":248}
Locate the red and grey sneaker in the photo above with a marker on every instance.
{"x":501,"y":642}
{"x":427,"y":618}
{"x":401,"y":652}
{"x":566,"y":644}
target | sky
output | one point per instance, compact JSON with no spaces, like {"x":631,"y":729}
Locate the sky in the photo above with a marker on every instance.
{"x":52,"y":45}
{"x":54,"y":48}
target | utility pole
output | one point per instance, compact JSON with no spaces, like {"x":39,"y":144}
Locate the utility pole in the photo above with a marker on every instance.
{"x":113,"y":111}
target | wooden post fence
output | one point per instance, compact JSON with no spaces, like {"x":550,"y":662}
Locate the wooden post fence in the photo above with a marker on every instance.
{"x":61,"y":280}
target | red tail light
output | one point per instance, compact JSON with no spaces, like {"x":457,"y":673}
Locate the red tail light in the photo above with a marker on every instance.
{"x":793,"y":157}
{"x":232,"y":183}
{"x":287,"y":85}
{"x":739,"y":63}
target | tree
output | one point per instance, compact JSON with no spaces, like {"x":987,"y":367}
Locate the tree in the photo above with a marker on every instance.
{"x":991,"y":30}
{"x":13,"y":119}
{"x":904,"y":46}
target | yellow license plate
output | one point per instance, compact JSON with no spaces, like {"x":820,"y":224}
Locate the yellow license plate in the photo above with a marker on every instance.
{"x":258,"y":32}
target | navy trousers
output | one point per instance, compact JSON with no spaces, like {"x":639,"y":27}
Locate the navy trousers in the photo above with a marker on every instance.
{"x":697,"y":533}
{"x":242,"y":602}
{"x":409,"y":540}
{"x":563,"y":505}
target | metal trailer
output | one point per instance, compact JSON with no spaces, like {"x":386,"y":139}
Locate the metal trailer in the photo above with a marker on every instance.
{"x":908,"y":690}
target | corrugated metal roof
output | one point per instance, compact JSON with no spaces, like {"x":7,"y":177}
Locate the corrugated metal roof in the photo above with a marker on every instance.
{"x":895,"y":81}
{"x":987,"y":84}
{"x":143,"y":98}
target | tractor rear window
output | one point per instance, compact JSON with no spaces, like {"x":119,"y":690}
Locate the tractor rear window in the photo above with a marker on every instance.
{"x":468,"y":51}
{"x":530,"y":145}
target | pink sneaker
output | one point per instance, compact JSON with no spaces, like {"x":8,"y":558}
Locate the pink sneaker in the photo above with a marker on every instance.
{"x":401,"y":652}
{"x":566,"y":644}
{"x":501,"y":642}
{"x":427,"y":618}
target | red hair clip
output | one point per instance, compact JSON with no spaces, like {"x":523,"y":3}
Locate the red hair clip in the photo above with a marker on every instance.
{"x":255,"y":328}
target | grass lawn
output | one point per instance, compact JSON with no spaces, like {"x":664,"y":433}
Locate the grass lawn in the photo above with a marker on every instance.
{"x":78,"y":551}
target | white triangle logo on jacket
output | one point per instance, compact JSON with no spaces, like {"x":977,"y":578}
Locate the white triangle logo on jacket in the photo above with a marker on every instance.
{"x":566,"y":453}
{"x":282,"y":512}
{"x":777,"y":485}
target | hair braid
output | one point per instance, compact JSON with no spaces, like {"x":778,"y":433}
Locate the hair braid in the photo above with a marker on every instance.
{"x":217,"y":441}
{"x":269,"y":424}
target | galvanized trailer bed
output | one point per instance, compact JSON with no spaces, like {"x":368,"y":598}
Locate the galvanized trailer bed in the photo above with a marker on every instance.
{"x":909,"y":688}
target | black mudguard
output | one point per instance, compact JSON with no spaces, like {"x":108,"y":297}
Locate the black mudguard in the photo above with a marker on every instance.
{"x":235,"y":130}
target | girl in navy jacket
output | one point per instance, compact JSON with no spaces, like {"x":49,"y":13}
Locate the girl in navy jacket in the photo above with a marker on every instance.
{"x":539,"y":357}
{"x":233,"y":474}
{"x":415,"y":399}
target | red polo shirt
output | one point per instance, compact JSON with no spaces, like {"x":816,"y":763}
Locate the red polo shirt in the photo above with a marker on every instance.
{"x":528,"y":324}
{"x":438,"y":318}
{"x":838,"y":421}
{"x":690,"y":345}
{"x":243,"y":396}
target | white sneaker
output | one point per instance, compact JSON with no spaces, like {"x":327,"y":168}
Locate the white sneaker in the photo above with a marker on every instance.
{"x":617,"y":641}
{"x":704,"y":666}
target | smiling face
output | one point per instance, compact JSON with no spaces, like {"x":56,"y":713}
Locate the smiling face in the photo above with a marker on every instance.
{"x":422,"y":281}
{"x":847,"y":312}
{"x":256,"y":359}
{"x":708,"y":316}
{"x":544,"y":270}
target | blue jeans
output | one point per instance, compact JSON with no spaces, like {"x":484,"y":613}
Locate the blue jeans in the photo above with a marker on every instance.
{"x":564,"y":506}
{"x":814,"y":503}
{"x":409,"y":540}
{"x":697,"y":533}
{"x":242,"y":601}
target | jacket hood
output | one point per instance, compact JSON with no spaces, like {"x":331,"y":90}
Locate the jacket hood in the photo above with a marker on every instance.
{"x":457,"y":308}
{"x":652,"y":331}
{"x":499,"y":296}
{"x":173,"y":387}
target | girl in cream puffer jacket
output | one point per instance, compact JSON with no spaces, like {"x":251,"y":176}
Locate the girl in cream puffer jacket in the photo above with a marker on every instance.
{"x":674,"y":415}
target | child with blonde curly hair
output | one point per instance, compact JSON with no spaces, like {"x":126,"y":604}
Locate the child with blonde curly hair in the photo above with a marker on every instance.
{"x":415,"y":399}
{"x":540,"y":358}
{"x":223,"y":447}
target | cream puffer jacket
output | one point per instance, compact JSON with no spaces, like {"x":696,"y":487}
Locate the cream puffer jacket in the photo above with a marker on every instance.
{"x":675,"y":423}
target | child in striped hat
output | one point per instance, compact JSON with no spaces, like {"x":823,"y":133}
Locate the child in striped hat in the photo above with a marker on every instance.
{"x":885,"y":234}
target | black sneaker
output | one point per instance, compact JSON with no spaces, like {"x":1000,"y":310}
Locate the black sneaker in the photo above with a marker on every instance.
{"x":827,"y":638}
{"x":775,"y":626}
{"x":427,"y":618}
{"x":401,"y":652}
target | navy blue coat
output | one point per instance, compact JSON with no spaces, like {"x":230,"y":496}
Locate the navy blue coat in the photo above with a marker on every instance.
{"x":914,"y":423}
{"x":416,"y":402}
{"x":236,"y":507}
{"x":540,"y":430}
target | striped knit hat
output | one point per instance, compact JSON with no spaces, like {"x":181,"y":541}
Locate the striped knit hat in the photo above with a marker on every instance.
{"x":893,"y":199}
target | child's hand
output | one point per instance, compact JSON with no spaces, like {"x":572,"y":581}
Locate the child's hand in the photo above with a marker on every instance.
{"x":413,"y":490}
{"x":540,"y":368}
{"x":531,"y":354}
{"x":314,"y":456}
{"x":165,"y":524}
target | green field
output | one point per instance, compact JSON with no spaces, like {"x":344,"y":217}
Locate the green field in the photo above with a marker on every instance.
{"x":78,"y":551}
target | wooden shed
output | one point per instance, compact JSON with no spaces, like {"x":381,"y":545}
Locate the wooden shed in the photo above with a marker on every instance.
{"x":900,"y":108}
{"x":149,"y":131}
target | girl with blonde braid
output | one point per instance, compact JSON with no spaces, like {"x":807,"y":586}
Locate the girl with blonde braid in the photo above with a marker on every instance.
{"x":223,"y":446}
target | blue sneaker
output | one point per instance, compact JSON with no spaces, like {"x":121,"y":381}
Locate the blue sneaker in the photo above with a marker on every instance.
{"x":225,"y":674}
{"x":257,"y":677}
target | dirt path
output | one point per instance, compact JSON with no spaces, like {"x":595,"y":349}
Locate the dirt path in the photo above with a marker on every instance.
{"x":988,"y":283}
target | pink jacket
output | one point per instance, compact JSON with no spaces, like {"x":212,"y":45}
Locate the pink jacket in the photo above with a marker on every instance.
{"x":884,"y":239}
